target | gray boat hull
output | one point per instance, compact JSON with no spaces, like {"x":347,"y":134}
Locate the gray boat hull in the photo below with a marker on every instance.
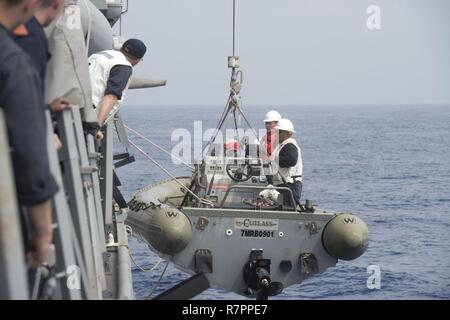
{"x":227,"y":237}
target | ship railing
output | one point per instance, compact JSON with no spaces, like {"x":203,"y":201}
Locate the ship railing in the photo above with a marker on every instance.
{"x":82,"y":265}
{"x":79,"y":236}
{"x":89,"y":181}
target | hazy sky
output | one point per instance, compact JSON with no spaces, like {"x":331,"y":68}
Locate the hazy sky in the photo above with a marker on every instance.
{"x":293,"y":52}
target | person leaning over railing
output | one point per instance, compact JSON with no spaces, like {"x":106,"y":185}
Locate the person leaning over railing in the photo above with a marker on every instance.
{"x":111,"y":73}
{"x":21,"y":100}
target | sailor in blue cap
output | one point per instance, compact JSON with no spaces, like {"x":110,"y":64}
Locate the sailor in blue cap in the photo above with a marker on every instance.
{"x":111,"y":72}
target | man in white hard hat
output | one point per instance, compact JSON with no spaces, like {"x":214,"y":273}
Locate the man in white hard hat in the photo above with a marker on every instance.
{"x":288,"y":156}
{"x":268,"y":142}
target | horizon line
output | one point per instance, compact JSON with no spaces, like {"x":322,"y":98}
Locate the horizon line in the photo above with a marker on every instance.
{"x":298,"y":105}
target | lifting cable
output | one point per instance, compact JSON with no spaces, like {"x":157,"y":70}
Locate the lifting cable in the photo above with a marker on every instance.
{"x":234,"y":24}
{"x":157,"y":283}
{"x":232,"y":105}
{"x":130,"y":231}
{"x":145,"y":154}
{"x":142,"y":269}
{"x":227,"y":109}
{"x":159,"y":147}
{"x":219,"y":127}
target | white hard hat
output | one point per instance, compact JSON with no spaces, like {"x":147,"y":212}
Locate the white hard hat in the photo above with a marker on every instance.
{"x":285,"y":125}
{"x":272,"y":116}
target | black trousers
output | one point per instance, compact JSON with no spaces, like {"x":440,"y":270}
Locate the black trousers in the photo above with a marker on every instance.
{"x":296,"y":188}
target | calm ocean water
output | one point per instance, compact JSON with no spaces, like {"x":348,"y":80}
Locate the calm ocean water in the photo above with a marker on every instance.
{"x":388,"y":164}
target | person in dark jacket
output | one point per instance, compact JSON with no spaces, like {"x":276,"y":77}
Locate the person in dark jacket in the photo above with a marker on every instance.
{"x":31,"y":38}
{"x":289,"y":159}
{"x":21,"y":100}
